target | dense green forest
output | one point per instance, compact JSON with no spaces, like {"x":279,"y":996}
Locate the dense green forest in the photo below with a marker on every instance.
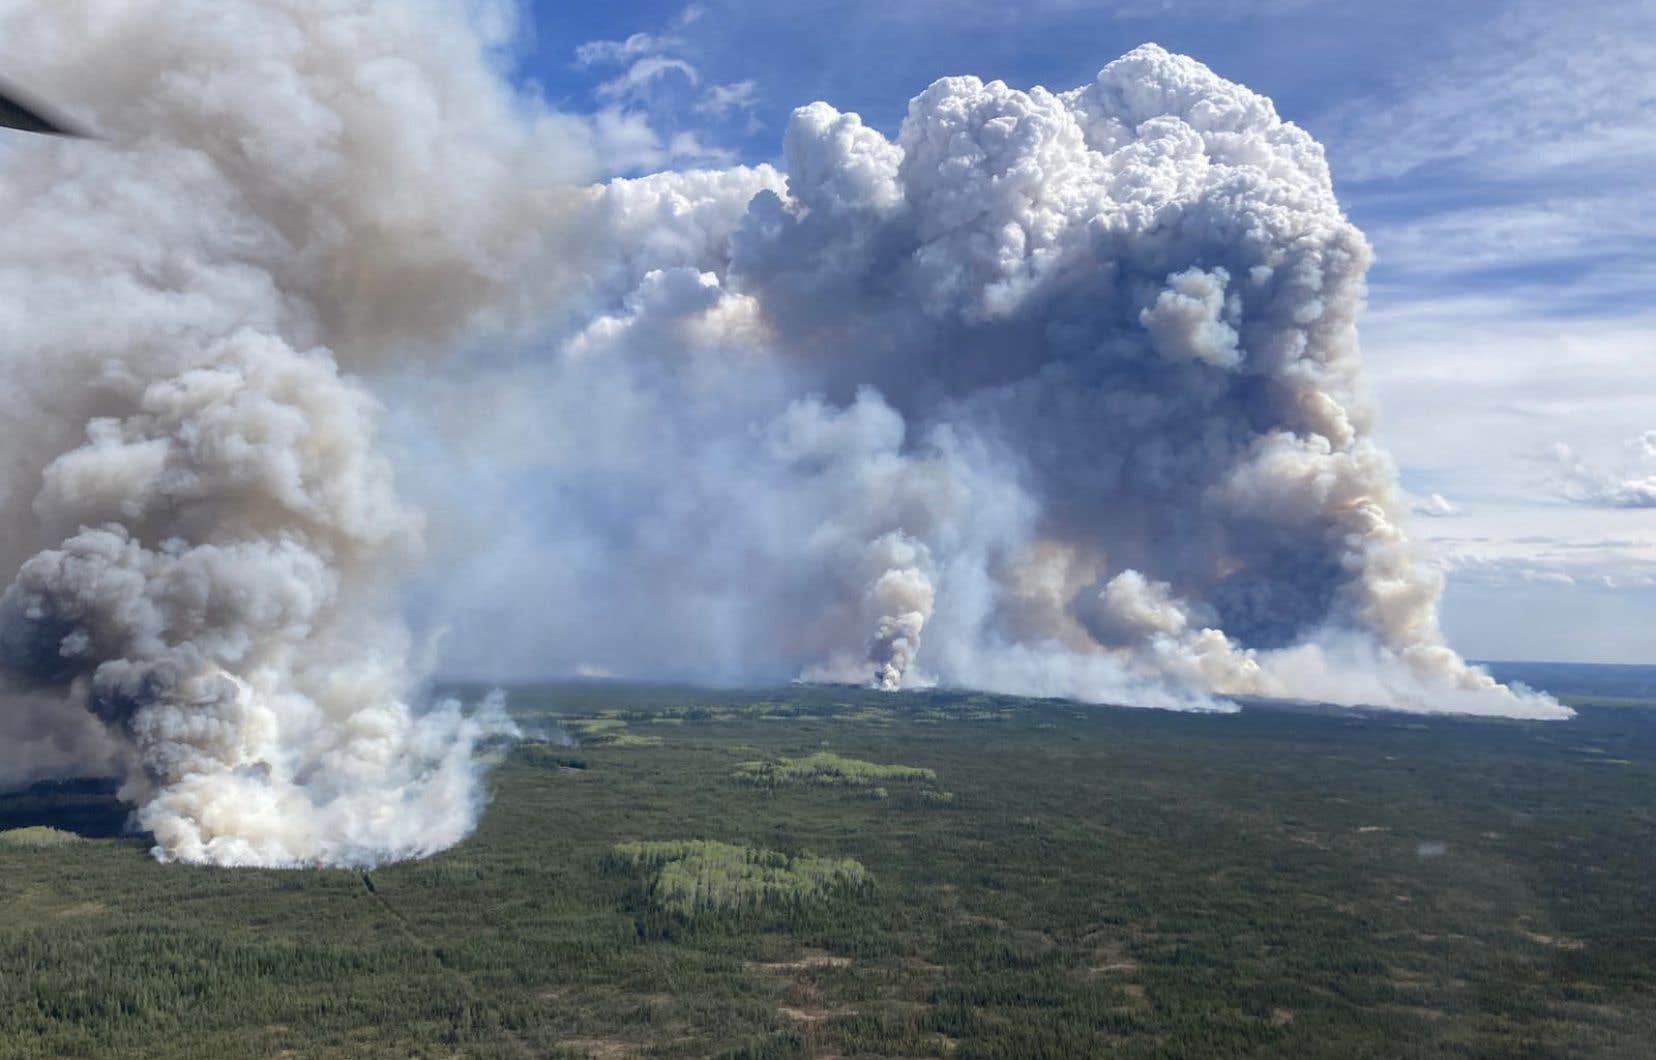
{"x":670,"y":872}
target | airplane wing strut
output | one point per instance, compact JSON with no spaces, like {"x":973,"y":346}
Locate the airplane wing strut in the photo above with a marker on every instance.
{"x":16,"y":113}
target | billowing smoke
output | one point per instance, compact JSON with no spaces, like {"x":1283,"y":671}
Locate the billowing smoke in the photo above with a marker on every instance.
{"x":903,"y":596}
{"x":201,"y":538}
{"x":1052,"y":393}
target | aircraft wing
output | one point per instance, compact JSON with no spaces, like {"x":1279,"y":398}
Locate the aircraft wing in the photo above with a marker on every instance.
{"x":16,"y":113}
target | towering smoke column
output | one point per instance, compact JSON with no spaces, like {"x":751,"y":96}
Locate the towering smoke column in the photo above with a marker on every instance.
{"x":1054,"y":392}
{"x":199,"y":533}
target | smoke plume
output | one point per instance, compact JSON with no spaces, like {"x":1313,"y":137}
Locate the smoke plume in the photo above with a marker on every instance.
{"x":1054,"y":393}
{"x":202,"y":536}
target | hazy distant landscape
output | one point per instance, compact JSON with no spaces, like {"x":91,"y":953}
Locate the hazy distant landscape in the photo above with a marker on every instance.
{"x":830,"y":871}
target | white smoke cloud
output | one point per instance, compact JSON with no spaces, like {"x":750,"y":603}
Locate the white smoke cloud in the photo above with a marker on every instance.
{"x":1089,"y":358}
{"x":203,"y":533}
{"x":1187,"y":321}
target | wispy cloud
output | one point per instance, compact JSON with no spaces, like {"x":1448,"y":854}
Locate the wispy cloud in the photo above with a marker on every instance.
{"x":644,"y":73}
{"x":1527,"y":93}
{"x":1629,"y":483}
{"x":1608,"y":569}
{"x":651,"y":113}
{"x":1434,"y":506}
{"x":1593,"y":225}
{"x":723,"y":99}
{"x":626,"y":142}
{"x":612,"y":52}
{"x":1521,"y":160}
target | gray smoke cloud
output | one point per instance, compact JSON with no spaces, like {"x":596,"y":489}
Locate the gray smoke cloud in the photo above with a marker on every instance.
{"x":202,"y":538}
{"x":1054,"y":393}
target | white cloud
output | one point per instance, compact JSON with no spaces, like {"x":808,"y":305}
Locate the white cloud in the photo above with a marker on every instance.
{"x":624,"y":141}
{"x":1471,"y":388}
{"x":1592,"y":227}
{"x":1532,"y":90}
{"x":983,"y":13}
{"x":1605,"y":565}
{"x":1518,"y":153}
{"x":1434,"y":506}
{"x":720,"y":100}
{"x":1629,"y":483}
{"x":640,"y":123}
{"x":1473,"y":392}
{"x":687,"y":148}
{"x":613,"y":52}
{"x":644,"y":73}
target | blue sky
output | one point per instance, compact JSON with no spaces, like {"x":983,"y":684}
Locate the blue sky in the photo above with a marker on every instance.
{"x":1499,"y":155}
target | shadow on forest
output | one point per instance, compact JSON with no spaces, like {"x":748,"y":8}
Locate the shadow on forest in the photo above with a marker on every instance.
{"x":87,"y":808}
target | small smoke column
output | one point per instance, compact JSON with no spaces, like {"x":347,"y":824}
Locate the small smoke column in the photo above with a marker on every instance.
{"x":203,"y":533}
{"x":902,"y":596}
